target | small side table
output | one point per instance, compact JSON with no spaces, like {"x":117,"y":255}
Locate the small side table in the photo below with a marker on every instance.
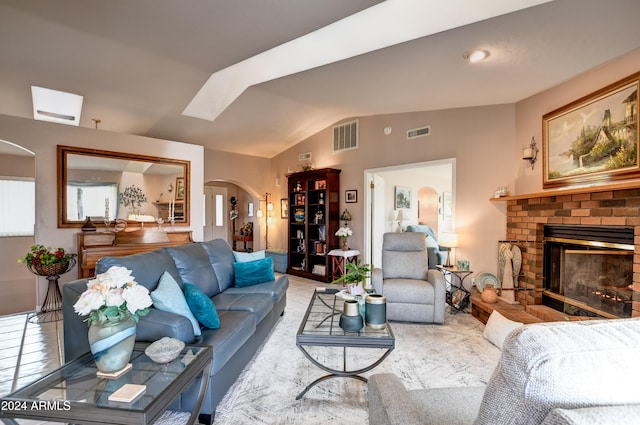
{"x":340,"y":260}
{"x":457,"y":295}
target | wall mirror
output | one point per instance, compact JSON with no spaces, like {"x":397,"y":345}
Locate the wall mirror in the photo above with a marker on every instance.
{"x":107,"y":185}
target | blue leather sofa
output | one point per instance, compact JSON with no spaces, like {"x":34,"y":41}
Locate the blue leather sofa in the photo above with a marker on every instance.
{"x":246,"y":314}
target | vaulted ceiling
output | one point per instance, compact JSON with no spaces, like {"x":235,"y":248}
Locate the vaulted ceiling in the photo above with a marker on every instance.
{"x":140,"y":63}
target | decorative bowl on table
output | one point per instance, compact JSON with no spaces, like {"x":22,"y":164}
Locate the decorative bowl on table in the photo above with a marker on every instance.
{"x":164,"y":350}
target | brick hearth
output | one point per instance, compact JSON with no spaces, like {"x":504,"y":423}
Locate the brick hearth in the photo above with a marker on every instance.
{"x":616,"y":205}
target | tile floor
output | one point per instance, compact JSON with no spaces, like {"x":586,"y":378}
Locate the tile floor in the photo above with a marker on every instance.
{"x":27,"y":352}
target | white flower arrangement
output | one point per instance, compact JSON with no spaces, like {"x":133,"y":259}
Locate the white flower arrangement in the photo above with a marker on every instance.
{"x":344,"y":232}
{"x":113,"y":295}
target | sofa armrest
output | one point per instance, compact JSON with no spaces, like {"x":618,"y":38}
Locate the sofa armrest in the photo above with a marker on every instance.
{"x":389,"y":402}
{"x":440,"y":293}
{"x":622,"y":414}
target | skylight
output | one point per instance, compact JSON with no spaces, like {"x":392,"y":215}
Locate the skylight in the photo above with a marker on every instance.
{"x":56,"y":106}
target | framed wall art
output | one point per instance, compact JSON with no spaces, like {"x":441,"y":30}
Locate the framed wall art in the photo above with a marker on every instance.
{"x":593,"y":139}
{"x":284,"y":208}
{"x":402,"y":198}
{"x":179,"y":188}
{"x":350,"y":196}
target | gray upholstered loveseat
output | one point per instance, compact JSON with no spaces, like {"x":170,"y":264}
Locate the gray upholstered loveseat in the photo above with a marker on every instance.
{"x":549,"y":373}
{"x":246,"y":314}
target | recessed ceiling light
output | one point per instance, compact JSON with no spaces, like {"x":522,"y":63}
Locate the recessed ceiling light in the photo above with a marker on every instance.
{"x":476,"y":55}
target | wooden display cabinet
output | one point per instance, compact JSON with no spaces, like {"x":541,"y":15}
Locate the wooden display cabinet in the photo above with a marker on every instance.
{"x":314,"y":218}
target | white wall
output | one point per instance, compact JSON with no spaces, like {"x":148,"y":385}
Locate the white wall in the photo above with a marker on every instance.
{"x":42,"y":138}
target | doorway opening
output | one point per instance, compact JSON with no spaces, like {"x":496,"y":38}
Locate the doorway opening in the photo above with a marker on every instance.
{"x":230,"y":213}
{"x":429,"y":189}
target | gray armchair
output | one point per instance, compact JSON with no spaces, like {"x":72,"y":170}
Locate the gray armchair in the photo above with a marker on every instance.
{"x":414,"y":293}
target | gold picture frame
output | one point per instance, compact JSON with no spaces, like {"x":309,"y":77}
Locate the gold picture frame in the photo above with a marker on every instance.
{"x":593,"y":139}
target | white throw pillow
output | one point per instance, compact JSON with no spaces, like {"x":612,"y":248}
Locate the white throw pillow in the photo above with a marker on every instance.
{"x":243,"y":257}
{"x":498,"y":327}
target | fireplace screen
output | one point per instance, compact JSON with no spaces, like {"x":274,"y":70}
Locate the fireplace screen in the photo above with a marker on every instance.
{"x":591,"y":282}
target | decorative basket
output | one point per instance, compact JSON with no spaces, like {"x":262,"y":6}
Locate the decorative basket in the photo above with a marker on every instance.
{"x":55,"y":269}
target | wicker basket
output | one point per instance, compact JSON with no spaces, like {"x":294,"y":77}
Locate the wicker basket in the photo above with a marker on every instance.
{"x":50,"y":269}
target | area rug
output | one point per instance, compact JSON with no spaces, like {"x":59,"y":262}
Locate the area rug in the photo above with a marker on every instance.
{"x":426,"y":356}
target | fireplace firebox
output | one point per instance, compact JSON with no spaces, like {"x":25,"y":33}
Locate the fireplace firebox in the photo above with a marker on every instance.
{"x":588,"y":270}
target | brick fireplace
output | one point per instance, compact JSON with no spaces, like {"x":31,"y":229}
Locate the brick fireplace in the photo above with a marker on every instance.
{"x":615,"y":205}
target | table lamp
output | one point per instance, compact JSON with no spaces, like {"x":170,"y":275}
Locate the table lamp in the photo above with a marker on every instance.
{"x":448,"y":240}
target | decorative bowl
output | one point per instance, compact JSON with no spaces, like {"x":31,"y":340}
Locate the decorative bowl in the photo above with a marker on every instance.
{"x":164,"y":350}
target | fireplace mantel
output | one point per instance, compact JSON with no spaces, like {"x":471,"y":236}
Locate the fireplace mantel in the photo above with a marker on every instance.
{"x":571,"y":191}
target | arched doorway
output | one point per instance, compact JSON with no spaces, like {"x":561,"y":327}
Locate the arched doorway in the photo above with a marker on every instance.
{"x":18,"y":288}
{"x":220,"y":223}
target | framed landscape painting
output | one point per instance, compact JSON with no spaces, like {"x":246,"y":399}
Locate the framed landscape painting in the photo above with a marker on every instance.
{"x":593,"y":139}
{"x":402,"y":198}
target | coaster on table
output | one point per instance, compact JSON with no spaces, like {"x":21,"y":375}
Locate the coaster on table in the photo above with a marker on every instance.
{"x":128,"y":392}
{"x":116,"y":374}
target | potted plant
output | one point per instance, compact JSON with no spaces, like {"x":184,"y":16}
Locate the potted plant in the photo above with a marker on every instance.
{"x":354,"y":277}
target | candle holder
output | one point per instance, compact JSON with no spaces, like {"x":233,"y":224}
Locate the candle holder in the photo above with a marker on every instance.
{"x":172,"y":220}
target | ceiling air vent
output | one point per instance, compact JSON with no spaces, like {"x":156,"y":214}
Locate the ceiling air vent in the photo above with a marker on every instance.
{"x":345,"y":136}
{"x":418,"y":132}
{"x":304,"y":156}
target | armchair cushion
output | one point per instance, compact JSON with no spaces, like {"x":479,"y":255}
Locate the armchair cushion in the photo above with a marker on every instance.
{"x":404,"y":256}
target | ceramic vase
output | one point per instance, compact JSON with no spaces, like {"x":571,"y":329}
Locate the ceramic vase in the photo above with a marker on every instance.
{"x":344,"y":244}
{"x":350,"y":319}
{"x":489,"y":294}
{"x":376,"y":311}
{"x":111,"y":343}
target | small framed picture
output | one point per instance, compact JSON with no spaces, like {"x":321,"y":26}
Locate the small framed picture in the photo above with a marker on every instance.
{"x":350,"y":196}
{"x":284,"y":208}
{"x":402,"y":198}
{"x":179,"y":188}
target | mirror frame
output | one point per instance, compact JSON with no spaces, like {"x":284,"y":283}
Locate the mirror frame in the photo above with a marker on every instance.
{"x":64,"y":151}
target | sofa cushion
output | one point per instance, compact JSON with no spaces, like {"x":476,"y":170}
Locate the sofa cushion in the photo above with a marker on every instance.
{"x":253,"y":272}
{"x":243,"y":257}
{"x":409,"y":291}
{"x":168,"y":296}
{"x":275,"y":289}
{"x":562,"y":365}
{"x":222,"y":259}
{"x":201,"y":306}
{"x":258,"y":304}
{"x":194,"y":266}
{"x":146,"y":267}
{"x":498,"y":327}
{"x":236,"y":328}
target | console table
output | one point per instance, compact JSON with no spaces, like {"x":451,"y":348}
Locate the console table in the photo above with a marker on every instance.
{"x":95,"y":245}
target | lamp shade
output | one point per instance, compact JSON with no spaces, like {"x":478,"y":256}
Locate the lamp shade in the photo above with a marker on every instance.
{"x":448,"y":240}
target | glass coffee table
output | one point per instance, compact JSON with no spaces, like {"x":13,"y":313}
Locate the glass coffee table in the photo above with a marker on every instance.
{"x":74,"y":394}
{"x":320,"y":327}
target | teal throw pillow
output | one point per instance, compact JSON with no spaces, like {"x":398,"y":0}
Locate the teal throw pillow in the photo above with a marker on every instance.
{"x":169,"y":297}
{"x":253,"y":272}
{"x":201,"y":306}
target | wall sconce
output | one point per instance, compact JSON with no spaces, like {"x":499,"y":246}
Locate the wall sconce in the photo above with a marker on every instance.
{"x":448,"y":240}
{"x":530,"y":153}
